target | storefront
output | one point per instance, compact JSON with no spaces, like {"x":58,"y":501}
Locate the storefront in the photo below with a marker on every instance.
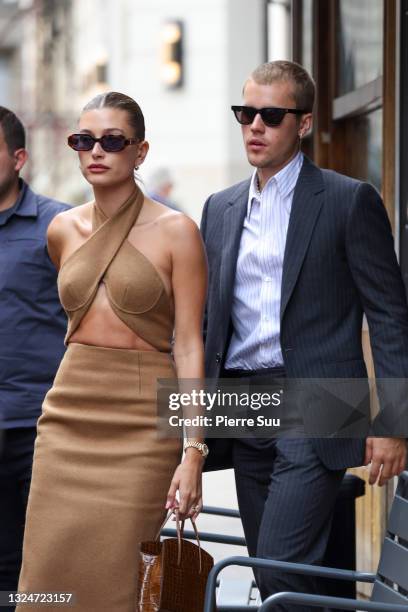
{"x":403,"y":139}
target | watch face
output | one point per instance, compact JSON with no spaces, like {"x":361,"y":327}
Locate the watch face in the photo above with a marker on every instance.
{"x":200,"y":446}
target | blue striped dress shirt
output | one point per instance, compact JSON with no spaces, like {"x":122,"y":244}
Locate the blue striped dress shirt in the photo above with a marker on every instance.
{"x":255,"y":342}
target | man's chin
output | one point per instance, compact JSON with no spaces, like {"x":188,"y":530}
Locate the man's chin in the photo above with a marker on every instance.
{"x":258,"y":161}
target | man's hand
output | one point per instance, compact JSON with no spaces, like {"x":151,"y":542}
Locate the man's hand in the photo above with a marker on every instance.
{"x":390,"y":454}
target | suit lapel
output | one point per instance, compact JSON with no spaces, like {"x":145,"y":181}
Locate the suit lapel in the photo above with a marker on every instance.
{"x":307,"y":202}
{"x":231,"y":236}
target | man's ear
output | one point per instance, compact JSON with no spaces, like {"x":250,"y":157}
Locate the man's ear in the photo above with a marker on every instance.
{"x":20,"y":158}
{"x":305,"y":124}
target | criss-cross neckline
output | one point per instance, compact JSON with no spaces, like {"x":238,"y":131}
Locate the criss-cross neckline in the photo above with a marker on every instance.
{"x":96,"y":228}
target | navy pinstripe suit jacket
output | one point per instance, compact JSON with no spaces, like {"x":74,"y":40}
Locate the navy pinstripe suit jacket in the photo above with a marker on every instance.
{"x":339,"y":263}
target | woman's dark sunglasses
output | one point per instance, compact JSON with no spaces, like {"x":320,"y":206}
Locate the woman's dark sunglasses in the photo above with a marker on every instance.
{"x":271,"y":116}
{"x":111,"y":143}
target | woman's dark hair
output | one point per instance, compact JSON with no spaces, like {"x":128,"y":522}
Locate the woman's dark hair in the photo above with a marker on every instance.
{"x":13,"y":130}
{"x":114,"y":99}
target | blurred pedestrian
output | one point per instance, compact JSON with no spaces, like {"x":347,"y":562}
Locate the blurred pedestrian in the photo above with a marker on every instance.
{"x":160,"y":185}
{"x":32,"y":327}
{"x":297,"y":255}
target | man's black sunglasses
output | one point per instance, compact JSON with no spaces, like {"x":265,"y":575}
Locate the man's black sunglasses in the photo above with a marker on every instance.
{"x":271,"y":116}
{"x":111,"y":143}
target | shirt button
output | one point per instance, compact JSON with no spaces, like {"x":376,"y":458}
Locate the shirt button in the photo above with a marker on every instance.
{"x":267,"y":279}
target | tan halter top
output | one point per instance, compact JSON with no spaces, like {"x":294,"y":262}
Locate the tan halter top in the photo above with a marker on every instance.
{"x":134,"y":288}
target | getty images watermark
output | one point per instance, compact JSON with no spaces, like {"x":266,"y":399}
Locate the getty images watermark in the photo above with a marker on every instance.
{"x":231,"y":408}
{"x":199,"y":398}
{"x":315,"y":408}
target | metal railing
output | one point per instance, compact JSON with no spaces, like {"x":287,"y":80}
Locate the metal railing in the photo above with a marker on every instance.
{"x":216,"y":538}
{"x":323,"y":572}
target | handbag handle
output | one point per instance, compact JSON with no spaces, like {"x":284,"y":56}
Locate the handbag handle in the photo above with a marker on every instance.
{"x":180,"y":531}
{"x":197,"y":539}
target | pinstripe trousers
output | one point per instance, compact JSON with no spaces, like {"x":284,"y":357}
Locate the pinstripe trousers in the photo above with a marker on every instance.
{"x":286,"y":498}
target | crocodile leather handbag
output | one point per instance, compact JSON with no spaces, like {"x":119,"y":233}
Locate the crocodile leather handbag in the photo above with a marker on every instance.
{"x":173,"y":573}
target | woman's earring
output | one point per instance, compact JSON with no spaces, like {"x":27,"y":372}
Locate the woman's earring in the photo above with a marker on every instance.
{"x":136,"y":168}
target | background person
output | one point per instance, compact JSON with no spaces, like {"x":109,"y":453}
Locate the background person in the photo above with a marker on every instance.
{"x":160,"y":186}
{"x":32,"y":327}
{"x":102,"y":477}
{"x":296,"y":256}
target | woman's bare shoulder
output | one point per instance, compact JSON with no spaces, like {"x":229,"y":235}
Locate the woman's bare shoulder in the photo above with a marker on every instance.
{"x":177,"y":224}
{"x":182,"y":235}
{"x":67,"y":220}
{"x":170,"y":219}
{"x":165,"y":219}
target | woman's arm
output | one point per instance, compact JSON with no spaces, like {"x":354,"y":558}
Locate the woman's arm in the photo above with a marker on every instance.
{"x":189,"y":284}
{"x":55,"y":238}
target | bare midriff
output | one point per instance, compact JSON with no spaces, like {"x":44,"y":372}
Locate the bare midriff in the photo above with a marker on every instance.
{"x":100,"y":326}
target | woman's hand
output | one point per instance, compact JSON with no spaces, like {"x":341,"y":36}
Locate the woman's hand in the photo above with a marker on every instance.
{"x":187,"y":480}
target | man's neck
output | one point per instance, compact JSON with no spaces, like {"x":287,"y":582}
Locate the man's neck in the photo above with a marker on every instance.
{"x":9,"y":196}
{"x":264,"y":174}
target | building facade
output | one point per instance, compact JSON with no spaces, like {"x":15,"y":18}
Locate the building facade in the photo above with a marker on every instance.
{"x":57,"y":54}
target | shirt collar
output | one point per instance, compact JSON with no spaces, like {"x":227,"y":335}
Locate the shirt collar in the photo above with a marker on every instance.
{"x":285,"y":181}
{"x":26,"y":205}
{"x":9,"y":212}
{"x":254,"y":193}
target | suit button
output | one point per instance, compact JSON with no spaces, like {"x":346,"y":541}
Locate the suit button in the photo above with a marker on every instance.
{"x":218,"y":358}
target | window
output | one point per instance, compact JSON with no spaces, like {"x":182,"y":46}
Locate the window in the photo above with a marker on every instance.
{"x":359,"y":28}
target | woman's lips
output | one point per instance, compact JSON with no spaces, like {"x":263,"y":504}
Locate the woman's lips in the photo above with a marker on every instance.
{"x":97,"y":168}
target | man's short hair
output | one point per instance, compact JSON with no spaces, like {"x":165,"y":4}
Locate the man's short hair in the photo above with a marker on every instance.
{"x":283,"y":70}
{"x":13,"y":130}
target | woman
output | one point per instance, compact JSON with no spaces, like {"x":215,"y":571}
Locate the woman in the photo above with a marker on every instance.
{"x":131,"y":271}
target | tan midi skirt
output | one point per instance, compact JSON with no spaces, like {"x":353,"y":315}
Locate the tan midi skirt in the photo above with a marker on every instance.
{"x":100,"y":478}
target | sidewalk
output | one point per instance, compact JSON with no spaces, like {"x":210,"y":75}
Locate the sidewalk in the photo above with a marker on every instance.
{"x":219,"y":490}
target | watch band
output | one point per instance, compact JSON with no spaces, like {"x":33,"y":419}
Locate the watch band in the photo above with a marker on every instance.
{"x":200,"y":446}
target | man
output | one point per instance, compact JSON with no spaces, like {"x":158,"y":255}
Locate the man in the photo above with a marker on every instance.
{"x":32,"y":327}
{"x":160,"y":186}
{"x":296,"y":255}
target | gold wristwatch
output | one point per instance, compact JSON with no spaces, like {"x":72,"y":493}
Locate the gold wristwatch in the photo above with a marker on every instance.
{"x":200,"y":446}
